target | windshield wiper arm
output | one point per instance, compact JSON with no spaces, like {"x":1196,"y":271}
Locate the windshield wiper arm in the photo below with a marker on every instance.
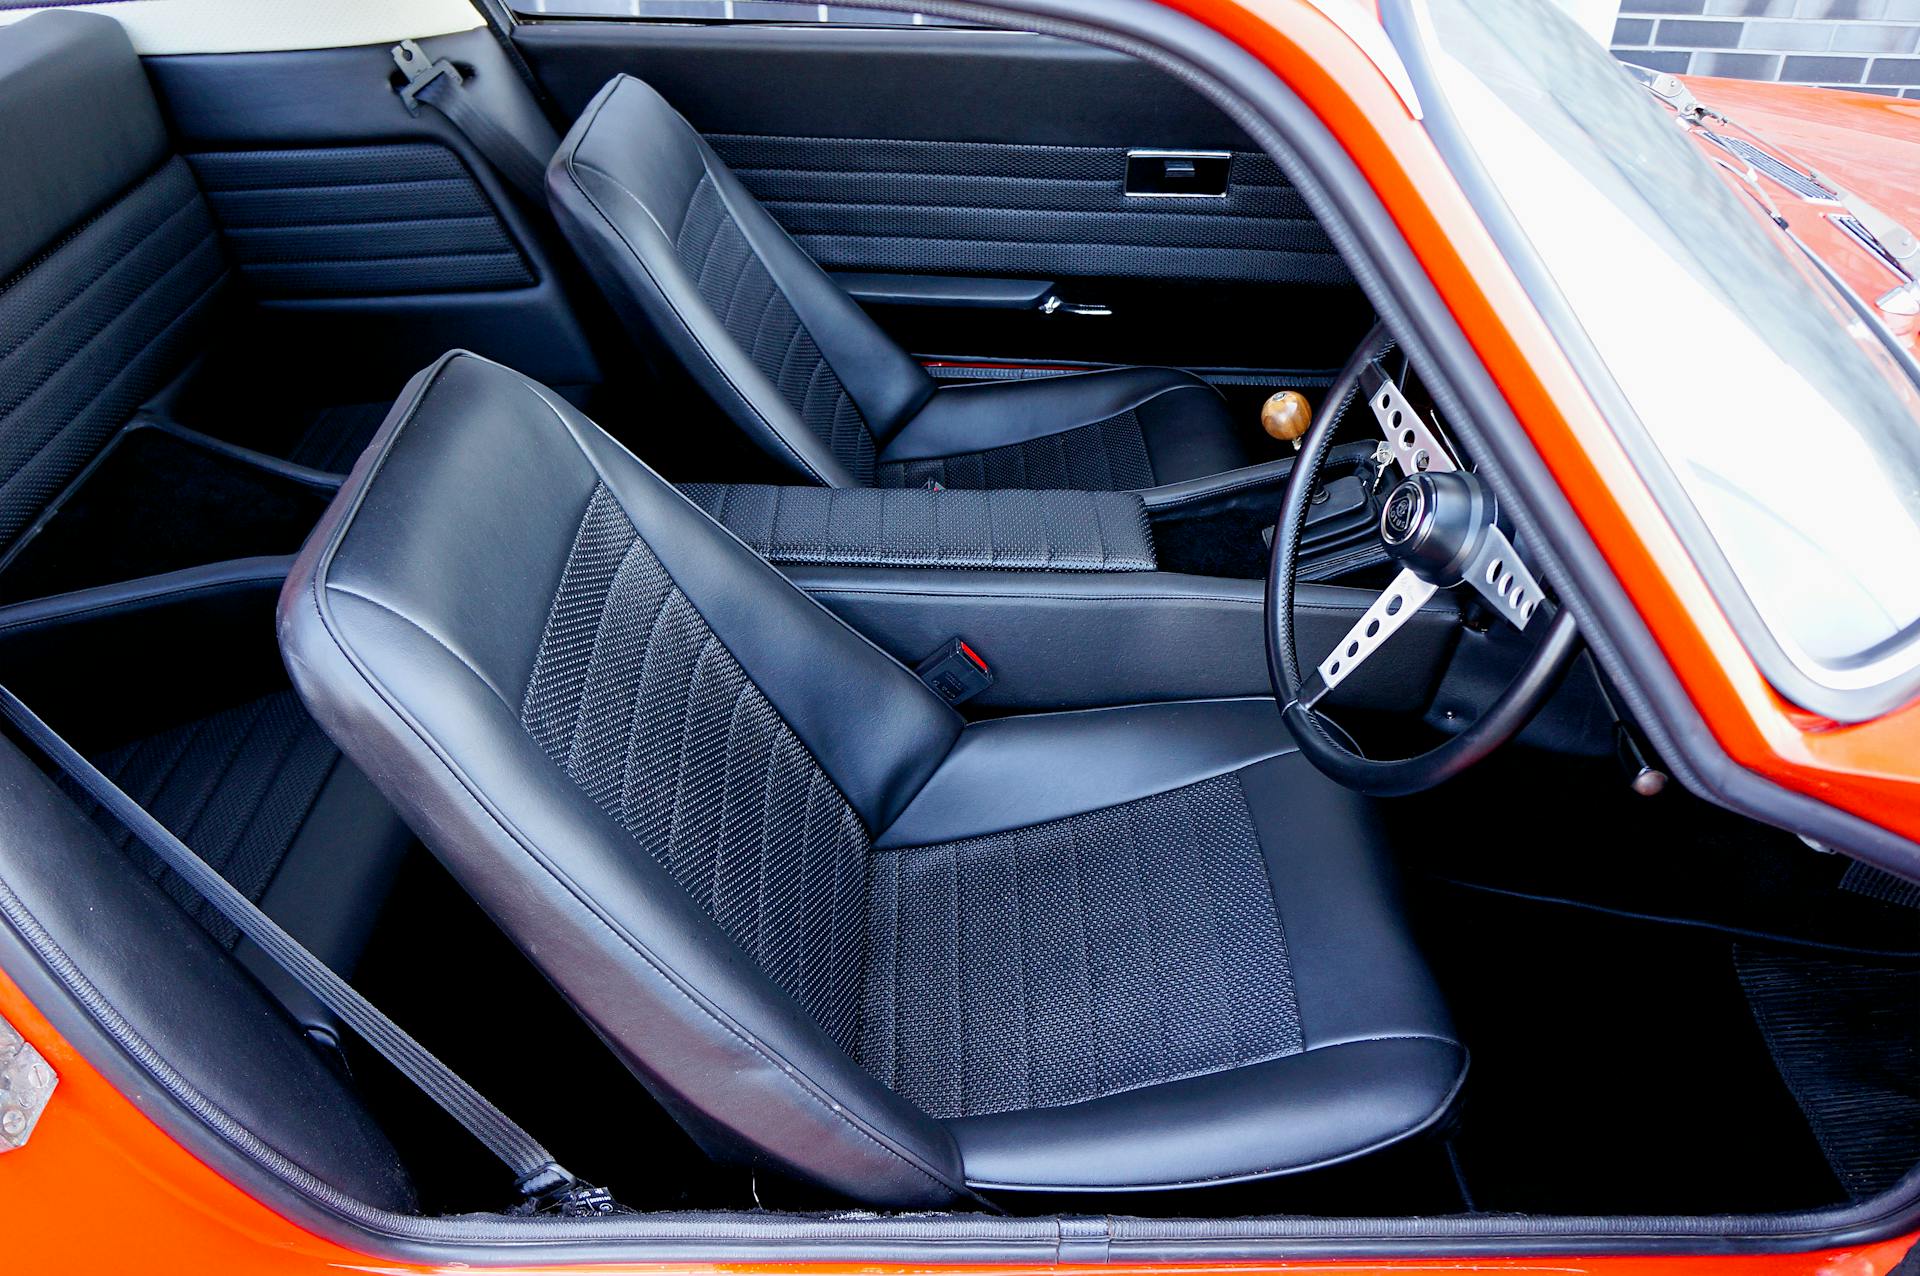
{"x":1675,"y":94}
{"x":1896,"y":242}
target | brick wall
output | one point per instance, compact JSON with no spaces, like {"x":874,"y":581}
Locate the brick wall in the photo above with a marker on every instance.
{"x":1870,"y":46}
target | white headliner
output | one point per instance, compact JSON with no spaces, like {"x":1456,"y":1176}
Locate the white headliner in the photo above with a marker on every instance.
{"x":260,"y":26}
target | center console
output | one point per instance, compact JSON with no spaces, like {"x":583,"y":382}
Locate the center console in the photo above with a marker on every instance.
{"x":1082,"y":599}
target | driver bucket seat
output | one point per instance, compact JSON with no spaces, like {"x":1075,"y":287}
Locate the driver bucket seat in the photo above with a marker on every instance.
{"x":693,"y":264}
{"x":832,"y":927}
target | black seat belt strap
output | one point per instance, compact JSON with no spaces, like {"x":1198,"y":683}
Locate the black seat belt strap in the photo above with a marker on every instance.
{"x":440,"y":85}
{"x":543,"y":1184}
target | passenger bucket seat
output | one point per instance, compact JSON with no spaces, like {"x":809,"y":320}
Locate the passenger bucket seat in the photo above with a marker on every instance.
{"x":832,"y":927}
{"x":694,"y":265}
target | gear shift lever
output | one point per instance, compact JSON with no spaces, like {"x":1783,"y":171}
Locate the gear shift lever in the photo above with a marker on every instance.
{"x":1286,"y":415}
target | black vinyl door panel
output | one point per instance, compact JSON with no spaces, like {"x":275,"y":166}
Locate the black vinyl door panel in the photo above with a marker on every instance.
{"x":369,"y":240}
{"x":951,"y":152}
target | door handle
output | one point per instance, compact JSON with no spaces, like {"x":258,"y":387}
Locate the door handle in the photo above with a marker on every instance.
{"x":1178,"y":174}
{"x":1055,"y":304}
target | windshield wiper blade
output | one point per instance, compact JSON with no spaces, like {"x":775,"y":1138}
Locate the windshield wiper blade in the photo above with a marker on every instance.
{"x":1896,"y":242}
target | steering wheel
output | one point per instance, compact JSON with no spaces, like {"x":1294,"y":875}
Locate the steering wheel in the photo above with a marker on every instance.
{"x":1441,"y":524}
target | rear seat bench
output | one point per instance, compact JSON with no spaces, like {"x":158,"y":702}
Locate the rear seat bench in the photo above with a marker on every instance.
{"x":161,"y":667}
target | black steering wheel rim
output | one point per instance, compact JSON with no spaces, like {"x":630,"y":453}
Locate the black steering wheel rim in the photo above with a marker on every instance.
{"x":1381,"y":778}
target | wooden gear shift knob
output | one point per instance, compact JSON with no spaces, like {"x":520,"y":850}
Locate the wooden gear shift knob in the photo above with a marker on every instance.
{"x":1286,"y":415}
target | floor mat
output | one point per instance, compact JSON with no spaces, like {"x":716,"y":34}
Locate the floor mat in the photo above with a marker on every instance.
{"x":1865,"y":879}
{"x":1846,"y":1037}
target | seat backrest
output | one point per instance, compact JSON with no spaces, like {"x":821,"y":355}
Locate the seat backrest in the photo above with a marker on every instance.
{"x":697,"y":268}
{"x":654,"y":761}
{"x":109,"y":262}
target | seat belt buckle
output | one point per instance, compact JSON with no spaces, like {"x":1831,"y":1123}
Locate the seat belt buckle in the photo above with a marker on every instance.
{"x":420,"y":71}
{"x":955,"y":672}
{"x":552,"y":1190}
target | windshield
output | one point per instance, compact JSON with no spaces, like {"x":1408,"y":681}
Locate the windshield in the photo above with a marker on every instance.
{"x":1790,"y":432}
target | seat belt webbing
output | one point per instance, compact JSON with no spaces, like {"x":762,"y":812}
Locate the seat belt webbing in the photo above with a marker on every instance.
{"x":540,"y":1179}
{"x":440,"y":85}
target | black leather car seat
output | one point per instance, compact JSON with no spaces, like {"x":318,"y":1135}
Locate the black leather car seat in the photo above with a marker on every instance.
{"x":832,"y":927}
{"x":695,"y":266}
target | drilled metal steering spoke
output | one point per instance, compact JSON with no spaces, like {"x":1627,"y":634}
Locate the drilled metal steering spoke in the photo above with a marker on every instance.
{"x":1499,"y":576}
{"x":1415,"y":446}
{"x":1406,"y":595}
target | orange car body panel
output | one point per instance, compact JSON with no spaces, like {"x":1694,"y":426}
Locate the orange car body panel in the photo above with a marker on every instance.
{"x":102,"y":1188}
{"x":1869,"y":145}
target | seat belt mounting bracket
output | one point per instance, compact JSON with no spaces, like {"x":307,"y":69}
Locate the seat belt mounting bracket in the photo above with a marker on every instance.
{"x":420,"y":71}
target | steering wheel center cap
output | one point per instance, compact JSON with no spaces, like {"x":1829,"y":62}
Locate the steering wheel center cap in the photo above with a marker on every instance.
{"x":1407,"y":507}
{"x":1433,"y":522}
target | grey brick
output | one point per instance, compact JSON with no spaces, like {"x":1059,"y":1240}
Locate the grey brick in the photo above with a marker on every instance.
{"x":1901,"y":11}
{"x":1672,"y":61}
{"x":1633,"y":32}
{"x":1687,"y":33}
{"x":1663,"y":6}
{"x":1863,"y":37}
{"x":1736,"y":66}
{"x":1751,"y":8}
{"x":1797,"y":37}
{"x":1805,"y":70}
{"x":1894,"y":71}
{"x":1840,"y":8}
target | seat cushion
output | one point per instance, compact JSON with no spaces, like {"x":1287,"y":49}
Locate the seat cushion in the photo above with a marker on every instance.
{"x":1171,"y":956}
{"x":1104,"y":952}
{"x":1107,"y":431}
{"x":263,"y":796}
{"x":830,"y":926}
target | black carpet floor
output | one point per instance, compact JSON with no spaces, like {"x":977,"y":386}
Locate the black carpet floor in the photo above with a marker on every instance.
{"x":1616,"y":1067}
{"x":1846,"y":1038}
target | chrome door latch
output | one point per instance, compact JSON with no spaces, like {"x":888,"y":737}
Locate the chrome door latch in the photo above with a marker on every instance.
{"x":26,"y":1083}
{"x":1055,"y":304}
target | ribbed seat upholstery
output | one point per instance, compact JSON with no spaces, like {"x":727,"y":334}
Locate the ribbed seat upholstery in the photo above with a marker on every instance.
{"x":1002,"y":528}
{"x":700,"y":273}
{"x":833,"y":928}
{"x":109,"y":264}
